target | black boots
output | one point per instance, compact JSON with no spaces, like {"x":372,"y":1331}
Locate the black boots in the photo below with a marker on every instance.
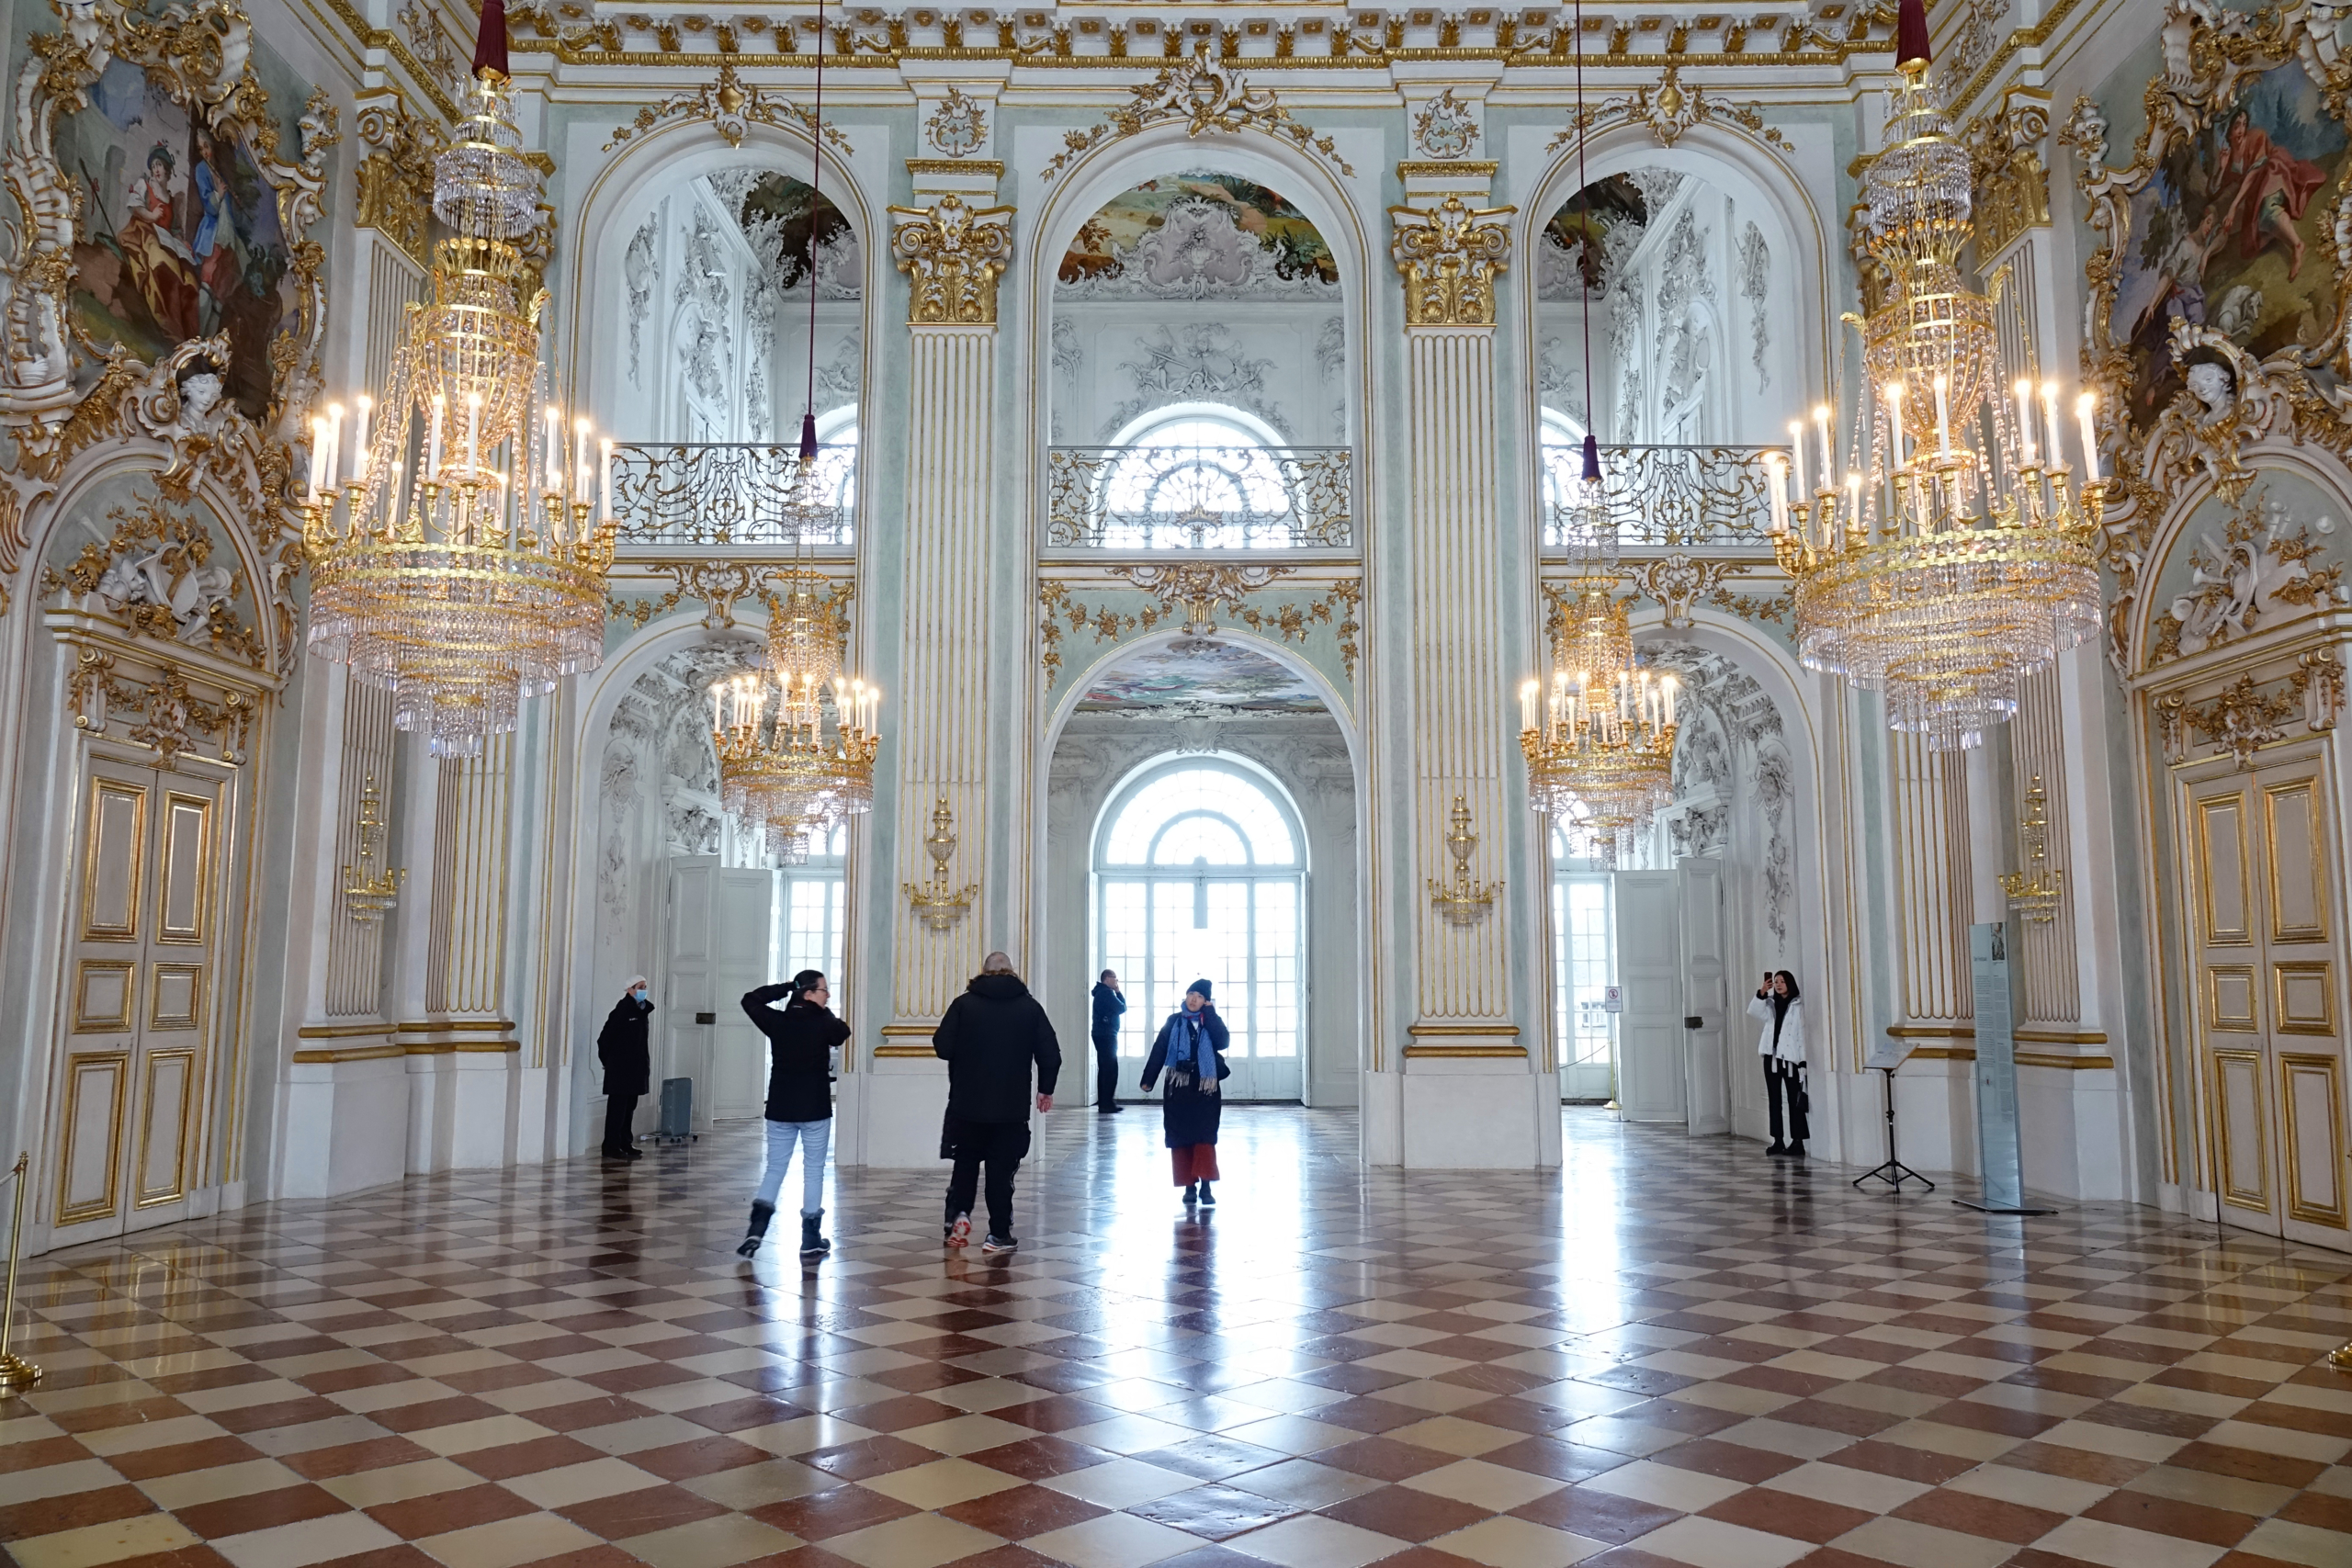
{"x":1778,"y":1149}
{"x":1208,"y":1198}
{"x":1191,"y":1193}
{"x":761,"y":1214}
{"x":812,"y":1241}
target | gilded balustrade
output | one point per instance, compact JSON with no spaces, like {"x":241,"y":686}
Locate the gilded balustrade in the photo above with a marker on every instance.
{"x":1669,"y":497}
{"x":1200,"y":498}
{"x":695,"y":493}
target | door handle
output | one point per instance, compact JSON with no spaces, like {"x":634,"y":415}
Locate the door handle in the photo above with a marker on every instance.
{"x":706,"y":1018}
{"x":1693,"y":1021}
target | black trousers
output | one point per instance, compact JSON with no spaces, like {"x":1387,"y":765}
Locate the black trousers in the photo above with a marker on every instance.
{"x":621,"y":1111}
{"x":999,"y":1147}
{"x":1106,"y":1071}
{"x":1785,"y":1078}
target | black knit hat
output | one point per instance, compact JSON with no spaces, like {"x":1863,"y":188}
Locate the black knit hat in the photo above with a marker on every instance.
{"x":1202,"y":986}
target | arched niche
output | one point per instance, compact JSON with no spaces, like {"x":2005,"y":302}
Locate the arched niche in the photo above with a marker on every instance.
{"x":1711,"y":238}
{"x":2218,"y":572}
{"x":696,"y":275}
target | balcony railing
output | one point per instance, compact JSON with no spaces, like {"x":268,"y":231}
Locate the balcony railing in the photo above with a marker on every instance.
{"x":733,"y":493}
{"x":1668,"y":497}
{"x":1200,"y":498}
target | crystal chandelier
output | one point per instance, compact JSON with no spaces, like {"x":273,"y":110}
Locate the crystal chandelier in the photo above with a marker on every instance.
{"x":459,"y":562}
{"x":1956,"y":555}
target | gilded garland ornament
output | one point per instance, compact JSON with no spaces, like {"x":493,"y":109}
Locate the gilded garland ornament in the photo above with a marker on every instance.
{"x":733,"y":109}
{"x":1203,"y":99}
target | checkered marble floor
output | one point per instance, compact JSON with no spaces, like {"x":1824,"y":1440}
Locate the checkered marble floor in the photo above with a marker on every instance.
{"x":1673,"y":1351}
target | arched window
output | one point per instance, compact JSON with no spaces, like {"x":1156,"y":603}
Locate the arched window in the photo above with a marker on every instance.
{"x":1199,"y":872}
{"x":1192,"y":475}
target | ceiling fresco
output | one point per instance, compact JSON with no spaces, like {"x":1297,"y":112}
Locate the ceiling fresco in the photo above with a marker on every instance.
{"x":1201,"y":670}
{"x":1197,"y":235}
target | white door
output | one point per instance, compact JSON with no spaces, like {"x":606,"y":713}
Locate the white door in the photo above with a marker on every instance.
{"x":1651,"y":1084}
{"x":740,"y":959}
{"x":1245,"y":936}
{"x":141,"y":993}
{"x":689,"y":1002}
{"x":1704,"y":997}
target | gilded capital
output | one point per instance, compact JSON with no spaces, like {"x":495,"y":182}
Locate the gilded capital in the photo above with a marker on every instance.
{"x":952,"y":255}
{"x":1450,"y":255}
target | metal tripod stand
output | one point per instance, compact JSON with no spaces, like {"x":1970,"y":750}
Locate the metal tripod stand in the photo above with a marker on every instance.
{"x":1892,"y":1171}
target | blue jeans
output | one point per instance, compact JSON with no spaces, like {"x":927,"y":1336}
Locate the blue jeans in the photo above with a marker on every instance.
{"x":814,"y":1138}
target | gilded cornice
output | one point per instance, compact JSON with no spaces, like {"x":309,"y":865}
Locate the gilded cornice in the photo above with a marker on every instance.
{"x":368,"y":37}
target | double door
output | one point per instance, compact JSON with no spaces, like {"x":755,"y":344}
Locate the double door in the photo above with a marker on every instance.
{"x":1671,"y":969}
{"x":1245,"y":935}
{"x":144,"y":908}
{"x":2263,"y":916}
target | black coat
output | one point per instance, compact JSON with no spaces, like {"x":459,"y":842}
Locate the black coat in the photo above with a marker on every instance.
{"x":800,"y":1043}
{"x":989,"y":1038}
{"x":621,"y":1048}
{"x":1108,"y":1004}
{"x":1187,"y":1115}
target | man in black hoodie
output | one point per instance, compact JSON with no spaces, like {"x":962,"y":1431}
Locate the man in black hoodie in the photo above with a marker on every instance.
{"x":989,"y":1038}
{"x":1108,"y":1003}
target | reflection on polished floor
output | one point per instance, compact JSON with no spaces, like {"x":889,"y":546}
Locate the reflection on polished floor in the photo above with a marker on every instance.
{"x":1673,"y":1351}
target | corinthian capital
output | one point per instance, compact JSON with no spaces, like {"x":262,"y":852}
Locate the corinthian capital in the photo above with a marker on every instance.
{"x":952,"y":256}
{"x":1450,"y":255}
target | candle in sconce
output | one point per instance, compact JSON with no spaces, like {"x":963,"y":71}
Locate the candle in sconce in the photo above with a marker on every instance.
{"x":2049,"y":419}
{"x":2085,"y":406}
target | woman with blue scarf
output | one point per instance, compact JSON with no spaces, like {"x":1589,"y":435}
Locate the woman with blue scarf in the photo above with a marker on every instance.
{"x":1190,"y":1047}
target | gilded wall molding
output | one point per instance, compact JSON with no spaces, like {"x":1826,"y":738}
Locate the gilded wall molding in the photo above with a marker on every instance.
{"x":1203,"y":99}
{"x":393,"y":184}
{"x":952,"y":255}
{"x":733,"y":109}
{"x":2012,"y":193}
{"x":2252,"y":711}
{"x":1668,"y":111}
{"x":1199,"y":595}
{"x":170,"y":717}
{"x":1450,"y":255}
{"x":720,"y":583}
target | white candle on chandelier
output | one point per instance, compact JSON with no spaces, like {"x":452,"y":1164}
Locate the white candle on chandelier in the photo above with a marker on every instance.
{"x":580,"y":457}
{"x":318,"y":453}
{"x":1796,"y":455}
{"x":551,"y":451}
{"x":433,"y":449}
{"x":715,"y":725}
{"x":359,"y":438}
{"x":335,"y":440}
{"x":473,"y":435}
{"x":1527,"y":704}
{"x":2049,"y":418}
{"x":1943,"y":415}
{"x":1779,"y":492}
{"x":2025,"y":420}
{"x":2085,"y":407}
{"x":1853,"y":510}
{"x":1671,"y":684}
{"x":1894,"y":423}
{"x":1828,"y":468}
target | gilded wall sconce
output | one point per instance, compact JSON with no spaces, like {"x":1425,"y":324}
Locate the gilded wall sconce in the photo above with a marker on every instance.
{"x":371,"y":888}
{"x":1462,"y":901}
{"x":2034,"y":892}
{"x":936,"y":905}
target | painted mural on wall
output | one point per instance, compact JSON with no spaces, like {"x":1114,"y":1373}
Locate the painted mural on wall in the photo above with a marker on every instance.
{"x":1201,"y":670}
{"x":1197,"y":235}
{"x":1576,"y":229}
{"x":2232,"y":234}
{"x":795,"y":229}
{"x":180,"y":236}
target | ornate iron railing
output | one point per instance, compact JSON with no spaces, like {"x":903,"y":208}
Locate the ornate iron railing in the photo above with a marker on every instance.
{"x":690,"y":492}
{"x":1667,"y":497}
{"x":1200,"y":498}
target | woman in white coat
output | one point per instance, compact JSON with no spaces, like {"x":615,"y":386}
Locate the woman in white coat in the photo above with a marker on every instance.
{"x":1781,"y":1046}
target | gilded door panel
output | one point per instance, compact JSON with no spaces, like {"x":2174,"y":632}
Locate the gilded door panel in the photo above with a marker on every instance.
{"x":113,"y":860}
{"x":2310,"y":1092}
{"x":104,"y":990}
{"x":2221,"y":870}
{"x":2304,"y":998}
{"x":186,"y":875}
{"x":177,"y":997}
{"x":2297,"y":861}
{"x":162,"y":1128}
{"x":2241,"y":1141}
{"x":2229,"y":995}
{"x":90,"y":1162}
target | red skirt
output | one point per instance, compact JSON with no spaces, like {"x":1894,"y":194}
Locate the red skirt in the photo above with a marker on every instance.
{"x":1195,"y":1162}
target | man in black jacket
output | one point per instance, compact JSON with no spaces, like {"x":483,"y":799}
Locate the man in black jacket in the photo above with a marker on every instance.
{"x":1108,"y":1003}
{"x":991,"y":1036}
{"x":628,"y":1061}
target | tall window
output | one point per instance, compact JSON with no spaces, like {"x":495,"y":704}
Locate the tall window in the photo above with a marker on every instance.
{"x":1200,"y":873}
{"x":1584,"y":966}
{"x":1192,"y":474}
{"x":808,"y":933}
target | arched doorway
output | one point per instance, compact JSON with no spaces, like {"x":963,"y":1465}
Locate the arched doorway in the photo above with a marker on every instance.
{"x":1199,"y":872}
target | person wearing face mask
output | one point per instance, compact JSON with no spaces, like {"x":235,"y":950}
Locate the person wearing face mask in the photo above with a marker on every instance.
{"x":801,"y":1038}
{"x":1191,"y":1048}
{"x":629,"y":1068}
{"x":1782,"y":1048}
